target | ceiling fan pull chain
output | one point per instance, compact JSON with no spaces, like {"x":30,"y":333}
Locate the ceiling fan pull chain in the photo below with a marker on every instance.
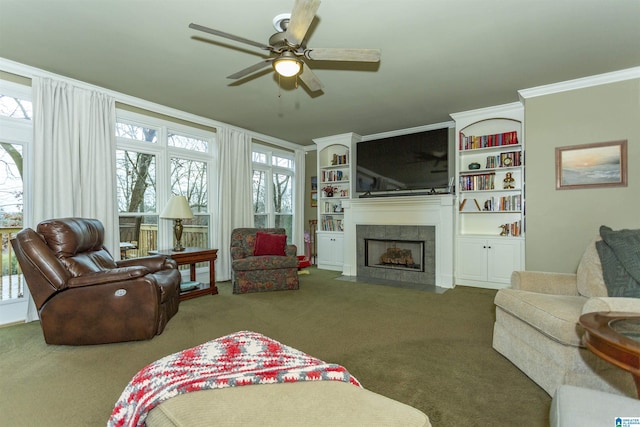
{"x":279,"y":87}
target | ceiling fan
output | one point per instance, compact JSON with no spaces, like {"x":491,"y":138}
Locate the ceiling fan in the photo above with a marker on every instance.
{"x":287,"y":48}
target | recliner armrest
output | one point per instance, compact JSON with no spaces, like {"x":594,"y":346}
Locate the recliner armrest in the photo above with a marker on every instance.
{"x":152,"y":262}
{"x":545,"y":283}
{"x":108,"y":276}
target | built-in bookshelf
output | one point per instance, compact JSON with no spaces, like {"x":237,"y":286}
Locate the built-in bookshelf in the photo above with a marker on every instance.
{"x":490,"y":176}
{"x":495,"y":188}
{"x":334,"y":187}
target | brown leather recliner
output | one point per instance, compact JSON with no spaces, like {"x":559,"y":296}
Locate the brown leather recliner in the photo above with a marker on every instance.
{"x":83,"y":296}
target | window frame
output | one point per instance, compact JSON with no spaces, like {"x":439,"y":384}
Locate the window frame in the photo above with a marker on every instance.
{"x":19,"y":131}
{"x":164,"y":153}
{"x":270,"y":170}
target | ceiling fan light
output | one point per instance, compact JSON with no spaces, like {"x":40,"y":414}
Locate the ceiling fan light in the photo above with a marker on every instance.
{"x":287,"y":65}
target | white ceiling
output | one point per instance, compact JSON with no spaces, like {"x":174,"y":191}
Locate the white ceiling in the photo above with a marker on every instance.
{"x":438,"y":56}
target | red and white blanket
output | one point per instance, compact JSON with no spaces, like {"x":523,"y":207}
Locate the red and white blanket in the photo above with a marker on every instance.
{"x":241,"y":358}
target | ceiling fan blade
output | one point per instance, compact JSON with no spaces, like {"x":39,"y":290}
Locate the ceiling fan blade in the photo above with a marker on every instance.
{"x":310,"y":80}
{"x":229,"y":36}
{"x":251,"y":69}
{"x":301,"y":17}
{"x":338,"y":54}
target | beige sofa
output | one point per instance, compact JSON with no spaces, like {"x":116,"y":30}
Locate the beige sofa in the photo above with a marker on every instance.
{"x":537,"y":328}
{"x":306,"y":403}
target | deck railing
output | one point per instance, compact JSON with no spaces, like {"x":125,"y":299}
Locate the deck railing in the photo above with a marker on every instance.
{"x":193,"y":235}
{"x":11,"y":280}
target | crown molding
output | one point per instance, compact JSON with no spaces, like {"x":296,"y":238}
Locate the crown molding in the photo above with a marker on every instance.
{"x":581,"y":83}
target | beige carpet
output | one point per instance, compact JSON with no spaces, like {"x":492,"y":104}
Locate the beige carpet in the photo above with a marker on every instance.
{"x":432,"y":351}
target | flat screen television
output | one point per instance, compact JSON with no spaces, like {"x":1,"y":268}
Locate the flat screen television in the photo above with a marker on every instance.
{"x":405,"y":163}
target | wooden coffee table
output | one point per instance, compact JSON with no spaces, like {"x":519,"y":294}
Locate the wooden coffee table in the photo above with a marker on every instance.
{"x":192,"y":256}
{"x":615,"y":337}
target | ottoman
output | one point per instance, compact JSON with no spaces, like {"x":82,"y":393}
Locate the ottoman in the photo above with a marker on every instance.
{"x":311,"y":403}
{"x":577,"y":406}
{"x":246,"y":378}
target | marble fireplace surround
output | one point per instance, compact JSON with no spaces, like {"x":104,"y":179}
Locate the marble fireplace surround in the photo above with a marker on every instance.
{"x":432,"y":210}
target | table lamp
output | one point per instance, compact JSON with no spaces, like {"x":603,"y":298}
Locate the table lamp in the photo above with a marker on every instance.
{"x":177,"y":209}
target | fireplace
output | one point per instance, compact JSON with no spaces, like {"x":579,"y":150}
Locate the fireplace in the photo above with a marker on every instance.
{"x":394,"y":254}
{"x":403,"y":253}
{"x":435,"y":212}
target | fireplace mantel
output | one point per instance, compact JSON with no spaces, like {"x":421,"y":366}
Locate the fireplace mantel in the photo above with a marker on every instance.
{"x":434,"y":210}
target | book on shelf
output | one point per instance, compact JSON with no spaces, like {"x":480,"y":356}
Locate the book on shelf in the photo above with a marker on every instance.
{"x":329,"y":223}
{"x":473,"y":142}
{"x":512,"y":203}
{"x":511,"y":158}
{"x":333,"y":176}
{"x":513,"y":229}
{"x":477,"y":182}
{"x":338,"y":159}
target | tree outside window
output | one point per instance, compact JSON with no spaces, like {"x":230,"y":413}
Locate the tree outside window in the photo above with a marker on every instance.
{"x":142,"y":149}
{"x":13,"y":111}
{"x":189,"y":179}
{"x":272,"y":191}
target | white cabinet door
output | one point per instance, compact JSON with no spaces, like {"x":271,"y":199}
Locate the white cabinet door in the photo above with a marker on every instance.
{"x":471,"y":259}
{"x":503,"y":259}
{"x":330,"y":250}
{"x":487,"y":262}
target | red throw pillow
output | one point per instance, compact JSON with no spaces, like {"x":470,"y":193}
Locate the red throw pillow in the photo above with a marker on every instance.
{"x":270,"y":244}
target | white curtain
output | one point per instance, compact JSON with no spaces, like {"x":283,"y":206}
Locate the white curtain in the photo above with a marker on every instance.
{"x":74,"y":157}
{"x":299,"y":197}
{"x":235,"y":193}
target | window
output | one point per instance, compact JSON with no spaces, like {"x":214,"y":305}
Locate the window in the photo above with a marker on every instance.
{"x":273,"y":173}
{"x":136,"y":132}
{"x":15,"y":138}
{"x":155,"y":159}
{"x":15,"y":107}
{"x":190,"y":178}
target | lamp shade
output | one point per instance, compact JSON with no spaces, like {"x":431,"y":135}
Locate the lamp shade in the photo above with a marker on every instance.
{"x":178,"y":207}
{"x":287,"y":65}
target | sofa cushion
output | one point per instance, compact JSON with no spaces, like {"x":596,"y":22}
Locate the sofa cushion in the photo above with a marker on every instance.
{"x":270,"y":244}
{"x":313,"y":403}
{"x":553,"y":315}
{"x":267,"y":262}
{"x":589,"y":278}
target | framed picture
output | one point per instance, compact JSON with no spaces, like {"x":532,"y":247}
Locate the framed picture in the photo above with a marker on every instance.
{"x":314,"y":183}
{"x":314,"y":199}
{"x":603,"y":164}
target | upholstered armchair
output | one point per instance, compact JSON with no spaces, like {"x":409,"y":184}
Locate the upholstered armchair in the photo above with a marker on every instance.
{"x":537,"y":327}
{"x":83,"y":296}
{"x":261,"y":260}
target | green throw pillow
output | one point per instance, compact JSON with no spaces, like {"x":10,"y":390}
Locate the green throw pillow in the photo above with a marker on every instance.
{"x":619,"y":253}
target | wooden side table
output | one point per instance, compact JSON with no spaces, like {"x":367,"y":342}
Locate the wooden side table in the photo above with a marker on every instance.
{"x":615,"y":337}
{"x":192,"y":256}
